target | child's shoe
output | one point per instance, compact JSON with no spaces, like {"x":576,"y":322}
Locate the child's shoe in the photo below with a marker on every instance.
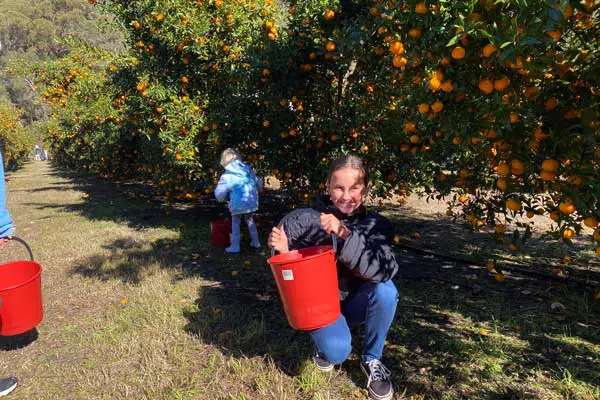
{"x":7,"y":385}
{"x":379,"y":382}
{"x":322,"y":364}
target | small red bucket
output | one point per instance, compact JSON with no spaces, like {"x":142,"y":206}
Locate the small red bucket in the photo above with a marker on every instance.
{"x":20,"y":295}
{"x":308,"y":286}
{"x":220,"y":230}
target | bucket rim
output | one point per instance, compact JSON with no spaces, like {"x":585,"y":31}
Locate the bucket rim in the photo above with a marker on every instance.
{"x":326,"y":249}
{"x":310,"y":327}
{"x":31,"y":279}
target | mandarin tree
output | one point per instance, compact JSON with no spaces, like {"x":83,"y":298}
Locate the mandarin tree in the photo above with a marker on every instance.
{"x":498,"y":101}
{"x":192,"y":63}
{"x":83,"y":127}
{"x":494,"y":102}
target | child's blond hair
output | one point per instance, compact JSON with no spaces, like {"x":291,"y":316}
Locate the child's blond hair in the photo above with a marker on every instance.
{"x":228,"y":156}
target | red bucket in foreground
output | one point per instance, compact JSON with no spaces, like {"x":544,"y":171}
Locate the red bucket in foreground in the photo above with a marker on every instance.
{"x":220,"y":230}
{"x":21,"y":296}
{"x":308,"y":286}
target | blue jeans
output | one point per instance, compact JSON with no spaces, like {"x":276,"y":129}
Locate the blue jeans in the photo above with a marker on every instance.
{"x":375,"y":305}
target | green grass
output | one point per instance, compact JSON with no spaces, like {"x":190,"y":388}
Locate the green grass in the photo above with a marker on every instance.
{"x":139,"y":305}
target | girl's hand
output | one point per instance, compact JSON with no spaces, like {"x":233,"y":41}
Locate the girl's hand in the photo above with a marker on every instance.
{"x":278,"y":240}
{"x":332,"y":225}
{"x":5,"y":240}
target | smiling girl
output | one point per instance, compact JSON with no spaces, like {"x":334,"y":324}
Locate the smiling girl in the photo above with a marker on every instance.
{"x":365,"y":263}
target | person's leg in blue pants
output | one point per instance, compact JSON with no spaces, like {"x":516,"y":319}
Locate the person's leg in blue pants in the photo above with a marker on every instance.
{"x":375,"y":305}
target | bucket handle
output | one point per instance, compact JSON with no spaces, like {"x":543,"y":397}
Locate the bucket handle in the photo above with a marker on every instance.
{"x":24,"y":243}
{"x":334,"y":242}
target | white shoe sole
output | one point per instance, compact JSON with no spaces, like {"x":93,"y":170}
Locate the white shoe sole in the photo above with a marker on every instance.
{"x":7,"y":391}
{"x":376,"y":397}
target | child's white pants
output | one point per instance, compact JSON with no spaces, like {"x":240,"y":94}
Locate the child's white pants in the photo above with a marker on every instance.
{"x":235,"y":229}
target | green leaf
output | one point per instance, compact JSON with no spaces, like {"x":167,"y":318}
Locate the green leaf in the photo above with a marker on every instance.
{"x":485,"y":33}
{"x":454,"y":40}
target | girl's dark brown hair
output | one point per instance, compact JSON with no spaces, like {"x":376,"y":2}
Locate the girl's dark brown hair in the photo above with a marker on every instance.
{"x":349,"y":161}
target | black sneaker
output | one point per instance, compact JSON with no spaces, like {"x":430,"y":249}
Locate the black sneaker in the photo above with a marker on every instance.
{"x":379,"y":383}
{"x":7,"y":385}
{"x":322,"y":364}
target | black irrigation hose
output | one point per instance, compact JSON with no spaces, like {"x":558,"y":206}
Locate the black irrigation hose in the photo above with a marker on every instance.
{"x":513,"y":268}
{"x":231,"y":285}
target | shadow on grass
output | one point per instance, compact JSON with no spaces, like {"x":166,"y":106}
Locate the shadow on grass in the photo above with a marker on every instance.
{"x":19,"y":341}
{"x":437,"y":346}
{"x":54,"y":187}
{"x":433,"y":348}
{"x":136,"y":204}
{"x":128,"y":259}
{"x":245,"y":324}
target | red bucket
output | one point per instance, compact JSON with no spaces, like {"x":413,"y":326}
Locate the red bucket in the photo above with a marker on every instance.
{"x":220,"y":230}
{"x":308,"y":286}
{"x":21,"y":297}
